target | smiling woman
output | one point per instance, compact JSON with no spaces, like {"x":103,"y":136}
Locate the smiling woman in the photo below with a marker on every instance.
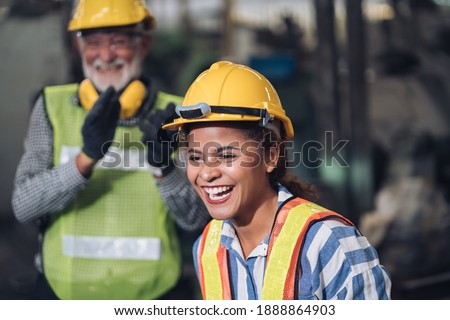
{"x":267,"y":240}
{"x":229,"y":172}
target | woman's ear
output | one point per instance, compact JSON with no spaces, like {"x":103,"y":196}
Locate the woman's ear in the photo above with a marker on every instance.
{"x":273,"y":157}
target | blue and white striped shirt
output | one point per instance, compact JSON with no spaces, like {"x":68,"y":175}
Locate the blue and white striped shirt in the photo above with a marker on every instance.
{"x":336,"y":262}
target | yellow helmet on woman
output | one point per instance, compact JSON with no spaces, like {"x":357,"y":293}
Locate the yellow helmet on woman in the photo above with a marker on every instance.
{"x":90,"y":14}
{"x":232,"y":92}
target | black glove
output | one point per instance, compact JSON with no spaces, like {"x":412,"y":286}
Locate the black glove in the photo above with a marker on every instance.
{"x":100,"y":125}
{"x":160,"y":143}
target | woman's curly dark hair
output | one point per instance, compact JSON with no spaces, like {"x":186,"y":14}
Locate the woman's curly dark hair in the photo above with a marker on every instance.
{"x":281,"y":175}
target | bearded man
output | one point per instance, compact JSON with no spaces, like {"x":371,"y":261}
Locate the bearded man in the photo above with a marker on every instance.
{"x":98,"y":176}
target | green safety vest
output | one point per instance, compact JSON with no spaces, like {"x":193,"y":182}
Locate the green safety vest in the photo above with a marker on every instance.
{"x":116,"y":239}
{"x":288,"y":233}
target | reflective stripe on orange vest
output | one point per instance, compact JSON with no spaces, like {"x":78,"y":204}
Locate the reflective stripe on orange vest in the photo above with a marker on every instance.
{"x":293,"y":221}
{"x":213,"y":262}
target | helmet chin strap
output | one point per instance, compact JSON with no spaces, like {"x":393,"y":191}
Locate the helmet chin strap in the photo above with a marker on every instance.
{"x":130,"y":100}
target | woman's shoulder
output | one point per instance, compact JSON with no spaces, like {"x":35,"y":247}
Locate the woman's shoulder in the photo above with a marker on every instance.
{"x":340,"y":262}
{"x":334,"y":239}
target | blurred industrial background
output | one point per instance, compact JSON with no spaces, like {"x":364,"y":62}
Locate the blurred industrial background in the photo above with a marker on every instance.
{"x":367,"y":79}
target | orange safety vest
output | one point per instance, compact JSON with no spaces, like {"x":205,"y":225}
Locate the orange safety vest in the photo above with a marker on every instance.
{"x":291,"y":225}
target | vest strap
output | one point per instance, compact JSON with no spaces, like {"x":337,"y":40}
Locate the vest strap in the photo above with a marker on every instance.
{"x":213,"y":260}
{"x":285,"y":244}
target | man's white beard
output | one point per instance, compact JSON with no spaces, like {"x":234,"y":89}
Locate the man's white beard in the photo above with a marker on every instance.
{"x":128,"y":72}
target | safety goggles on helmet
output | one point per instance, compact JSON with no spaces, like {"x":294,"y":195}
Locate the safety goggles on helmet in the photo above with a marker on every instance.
{"x":202,"y":109}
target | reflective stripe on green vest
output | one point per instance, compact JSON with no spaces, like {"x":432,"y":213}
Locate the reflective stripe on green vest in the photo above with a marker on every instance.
{"x":116,"y":239}
{"x":285,"y":243}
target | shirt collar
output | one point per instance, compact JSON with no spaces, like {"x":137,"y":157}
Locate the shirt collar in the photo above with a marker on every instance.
{"x":229,"y":240}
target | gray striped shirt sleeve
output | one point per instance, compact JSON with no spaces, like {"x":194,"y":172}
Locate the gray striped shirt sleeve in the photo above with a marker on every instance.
{"x":39,"y":189}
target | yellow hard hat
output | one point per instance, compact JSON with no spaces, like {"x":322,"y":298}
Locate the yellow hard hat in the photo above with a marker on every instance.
{"x":232,"y":92}
{"x":89,"y":14}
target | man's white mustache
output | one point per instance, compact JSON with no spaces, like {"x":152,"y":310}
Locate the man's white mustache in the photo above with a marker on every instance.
{"x":117,"y":63}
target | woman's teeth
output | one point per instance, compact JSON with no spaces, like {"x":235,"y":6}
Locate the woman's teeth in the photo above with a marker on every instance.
{"x":218,"y":193}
